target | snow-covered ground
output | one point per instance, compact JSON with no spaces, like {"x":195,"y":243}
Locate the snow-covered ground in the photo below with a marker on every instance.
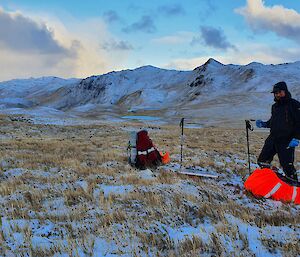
{"x":68,"y":190}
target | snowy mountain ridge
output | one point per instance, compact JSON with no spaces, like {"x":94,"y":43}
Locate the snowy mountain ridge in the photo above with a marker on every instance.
{"x":212,"y":91}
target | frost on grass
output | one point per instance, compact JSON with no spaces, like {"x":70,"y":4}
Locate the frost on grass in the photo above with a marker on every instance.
{"x":68,"y":191}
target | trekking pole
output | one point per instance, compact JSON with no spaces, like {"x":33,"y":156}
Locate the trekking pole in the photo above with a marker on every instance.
{"x":181,"y":149}
{"x":248,"y":127}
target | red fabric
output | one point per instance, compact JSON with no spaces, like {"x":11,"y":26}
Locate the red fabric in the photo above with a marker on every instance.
{"x":297,"y":200}
{"x":262,"y":181}
{"x":284,"y":193}
{"x":144,"y":143}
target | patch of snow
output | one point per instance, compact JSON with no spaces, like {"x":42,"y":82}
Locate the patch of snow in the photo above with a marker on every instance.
{"x":15,"y":172}
{"x":82,"y":184}
{"x":112,"y":189}
{"x":146,"y":174}
{"x":254,"y":235}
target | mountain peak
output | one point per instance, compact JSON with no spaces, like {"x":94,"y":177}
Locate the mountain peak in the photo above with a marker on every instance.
{"x":254,"y":64}
{"x":148,"y":67}
{"x":212,"y":61}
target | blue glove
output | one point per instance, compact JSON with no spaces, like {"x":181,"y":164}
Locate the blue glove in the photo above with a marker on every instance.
{"x":294,"y":142}
{"x":261,"y":124}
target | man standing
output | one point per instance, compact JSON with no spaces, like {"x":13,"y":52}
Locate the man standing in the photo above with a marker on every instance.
{"x":284,"y":127}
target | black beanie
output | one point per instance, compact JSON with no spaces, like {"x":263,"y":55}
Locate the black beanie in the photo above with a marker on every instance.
{"x":280,"y":86}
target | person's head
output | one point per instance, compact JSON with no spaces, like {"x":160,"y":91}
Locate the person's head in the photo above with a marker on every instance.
{"x":280,"y":90}
{"x":279,"y":94}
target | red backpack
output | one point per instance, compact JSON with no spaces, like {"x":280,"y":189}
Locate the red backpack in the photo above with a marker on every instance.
{"x":147,"y":154}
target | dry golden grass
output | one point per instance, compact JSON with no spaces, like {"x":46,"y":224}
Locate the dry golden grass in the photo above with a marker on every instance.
{"x":291,"y":248}
{"x":62,"y":170}
{"x":193,"y":246}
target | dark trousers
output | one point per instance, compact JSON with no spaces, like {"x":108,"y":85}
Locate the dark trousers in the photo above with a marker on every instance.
{"x":286,"y":156}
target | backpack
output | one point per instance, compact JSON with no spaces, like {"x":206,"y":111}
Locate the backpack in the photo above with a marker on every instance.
{"x":143,"y":153}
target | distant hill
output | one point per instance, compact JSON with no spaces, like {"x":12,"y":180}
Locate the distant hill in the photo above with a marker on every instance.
{"x":211,"y":93}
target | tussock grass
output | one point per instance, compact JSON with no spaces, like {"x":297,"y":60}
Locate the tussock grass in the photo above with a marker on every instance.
{"x":193,"y":246}
{"x":291,"y":248}
{"x":62,"y":170}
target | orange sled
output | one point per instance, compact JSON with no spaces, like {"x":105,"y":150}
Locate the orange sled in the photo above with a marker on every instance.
{"x":268,"y":184}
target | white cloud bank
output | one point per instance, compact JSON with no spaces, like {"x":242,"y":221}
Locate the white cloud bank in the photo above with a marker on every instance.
{"x":278,"y":19}
{"x":31,"y":46}
{"x":244,"y":55}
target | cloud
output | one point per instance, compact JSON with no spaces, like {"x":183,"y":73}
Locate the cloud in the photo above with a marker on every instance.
{"x":68,"y":48}
{"x":114,"y":45}
{"x":172,"y":10}
{"x":20,"y":33}
{"x":21,"y":65}
{"x":186,"y":63}
{"x":111,"y":16}
{"x":213,"y":37}
{"x":262,"y":53}
{"x":278,"y":19}
{"x":246,"y":54}
{"x":145,"y":24}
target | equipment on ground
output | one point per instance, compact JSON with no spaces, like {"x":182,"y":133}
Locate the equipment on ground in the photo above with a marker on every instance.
{"x":142,"y":153}
{"x":248,"y":127}
{"x":268,"y":183}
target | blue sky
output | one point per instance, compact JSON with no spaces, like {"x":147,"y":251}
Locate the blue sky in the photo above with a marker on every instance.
{"x":83,"y":38}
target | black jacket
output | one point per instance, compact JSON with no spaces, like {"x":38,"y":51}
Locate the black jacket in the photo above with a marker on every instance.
{"x":284,"y":123}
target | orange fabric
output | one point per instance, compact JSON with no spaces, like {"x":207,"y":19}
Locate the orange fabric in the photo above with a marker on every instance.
{"x":165,"y":157}
{"x":262,"y":181}
{"x":297,"y":200}
{"x":285,"y":193}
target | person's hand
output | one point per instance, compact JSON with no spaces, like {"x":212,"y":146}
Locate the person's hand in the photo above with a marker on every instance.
{"x":294,"y":142}
{"x":261,"y":124}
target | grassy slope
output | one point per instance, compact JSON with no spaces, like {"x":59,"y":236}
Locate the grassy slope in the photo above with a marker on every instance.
{"x":69,"y":189}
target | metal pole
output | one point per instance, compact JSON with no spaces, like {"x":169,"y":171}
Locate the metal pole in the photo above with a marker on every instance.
{"x":181,"y":149}
{"x":248,"y":127}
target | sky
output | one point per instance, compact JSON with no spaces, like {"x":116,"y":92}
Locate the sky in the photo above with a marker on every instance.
{"x":73,"y":38}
